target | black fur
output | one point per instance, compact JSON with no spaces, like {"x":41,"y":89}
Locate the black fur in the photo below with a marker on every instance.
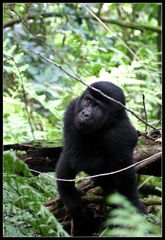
{"x":97,"y":140}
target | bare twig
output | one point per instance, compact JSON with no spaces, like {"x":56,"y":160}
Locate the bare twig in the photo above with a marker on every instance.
{"x":25,"y":98}
{"x":142,"y":163}
{"x":144,"y":182}
{"x":89,"y":86}
{"x":145,"y":112}
{"x":119,"y":39}
{"x":150,"y":160}
{"x":149,"y":202}
{"x":141,"y":27}
{"x":109,"y":30}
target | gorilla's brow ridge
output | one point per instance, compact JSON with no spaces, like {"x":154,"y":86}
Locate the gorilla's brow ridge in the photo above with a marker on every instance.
{"x":88,"y":96}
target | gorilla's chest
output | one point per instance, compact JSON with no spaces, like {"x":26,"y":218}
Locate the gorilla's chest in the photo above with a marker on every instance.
{"x":90,"y":158}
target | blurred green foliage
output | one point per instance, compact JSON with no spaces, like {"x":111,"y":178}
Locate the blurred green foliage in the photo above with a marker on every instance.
{"x":24,"y":195}
{"x":127,"y":222}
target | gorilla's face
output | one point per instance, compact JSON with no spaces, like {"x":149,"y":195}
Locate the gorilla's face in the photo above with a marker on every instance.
{"x":90,"y":115}
{"x":94,"y":112}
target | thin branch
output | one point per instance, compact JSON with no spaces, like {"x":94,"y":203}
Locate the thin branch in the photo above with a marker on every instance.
{"x":119,"y":39}
{"x":141,"y":27}
{"x":141,"y":163}
{"x":152,"y":201}
{"x":145,"y":181}
{"x":25,"y":99}
{"x":12,"y":22}
{"x":109,"y":30}
{"x":145,"y":112}
{"x":89,"y":86}
{"x":151,"y":159}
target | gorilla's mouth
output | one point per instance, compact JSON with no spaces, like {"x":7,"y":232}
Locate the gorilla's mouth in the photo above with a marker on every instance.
{"x":81,"y":121}
{"x":85,"y":126}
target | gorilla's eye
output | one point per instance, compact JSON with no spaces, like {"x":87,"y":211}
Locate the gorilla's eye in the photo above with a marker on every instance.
{"x":88,"y":100}
{"x":97,"y":107}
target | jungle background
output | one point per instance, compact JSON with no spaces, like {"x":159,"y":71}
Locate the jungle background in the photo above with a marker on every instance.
{"x":117,"y":42}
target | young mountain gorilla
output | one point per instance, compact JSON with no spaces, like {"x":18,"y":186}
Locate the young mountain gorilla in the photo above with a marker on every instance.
{"x":98,"y":138}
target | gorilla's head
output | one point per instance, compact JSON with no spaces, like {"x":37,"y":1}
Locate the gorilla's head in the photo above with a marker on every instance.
{"x":94,"y":111}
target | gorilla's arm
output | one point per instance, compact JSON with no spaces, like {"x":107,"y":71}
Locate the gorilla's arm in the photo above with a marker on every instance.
{"x":67,"y":190}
